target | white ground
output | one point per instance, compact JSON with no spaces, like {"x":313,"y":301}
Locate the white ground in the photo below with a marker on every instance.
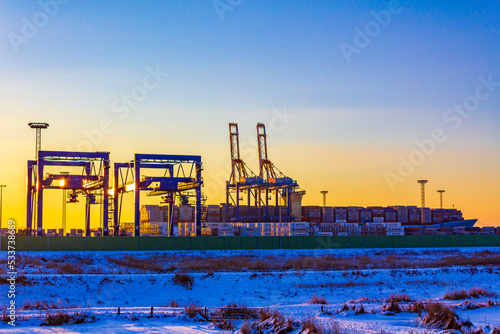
{"x":288,"y":292}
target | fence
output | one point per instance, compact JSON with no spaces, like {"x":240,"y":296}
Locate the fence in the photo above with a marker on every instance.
{"x":237,"y":243}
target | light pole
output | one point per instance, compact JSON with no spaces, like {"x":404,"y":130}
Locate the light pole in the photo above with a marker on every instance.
{"x":441,"y":197}
{"x":1,"y":203}
{"x":324,"y":192}
{"x":62,"y":184}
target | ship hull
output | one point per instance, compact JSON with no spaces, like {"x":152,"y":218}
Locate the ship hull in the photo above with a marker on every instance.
{"x":457,"y":223}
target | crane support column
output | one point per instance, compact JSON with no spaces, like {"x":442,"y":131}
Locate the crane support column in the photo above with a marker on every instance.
{"x":105,"y":200}
{"x":198,"y":200}
{"x":39,"y":196}
{"x":137,"y":197}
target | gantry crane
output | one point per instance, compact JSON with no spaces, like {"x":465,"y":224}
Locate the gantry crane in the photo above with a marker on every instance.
{"x":92,"y":182}
{"x":274,"y":180}
{"x":182,"y":176}
{"x":242,"y":179}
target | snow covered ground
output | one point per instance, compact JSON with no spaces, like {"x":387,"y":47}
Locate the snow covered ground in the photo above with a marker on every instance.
{"x":101,"y":286}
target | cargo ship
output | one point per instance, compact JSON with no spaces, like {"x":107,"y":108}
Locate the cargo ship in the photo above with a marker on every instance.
{"x":222,"y":220}
{"x":451,"y":224}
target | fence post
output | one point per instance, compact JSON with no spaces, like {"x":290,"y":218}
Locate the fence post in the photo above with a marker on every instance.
{"x":118,"y":311}
{"x":419,"y":311}
{"x":206,"y":313}
{"x":151,"y":312}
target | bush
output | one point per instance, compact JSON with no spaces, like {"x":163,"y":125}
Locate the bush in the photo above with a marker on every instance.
{"x":173,"y":303}
{"x":318,"y":300}
{"x":393,"y":307}
{"x":192,"y":310}
{"x":183,"y":279}
{"x":245,"y":328}
{"x":361,"y":310}
{"x":440,"y":316}
{"x":225,"y":324}
{"x":310,"y":326}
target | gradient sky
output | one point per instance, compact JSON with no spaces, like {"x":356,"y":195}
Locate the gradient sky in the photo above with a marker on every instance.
{"x":350,"y":123}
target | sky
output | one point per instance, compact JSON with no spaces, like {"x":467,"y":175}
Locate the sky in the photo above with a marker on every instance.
{"x":360,"y":98}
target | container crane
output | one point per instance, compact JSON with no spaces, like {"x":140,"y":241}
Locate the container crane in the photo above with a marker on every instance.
{"x":274,"y":180}
{"x":242,"y":179}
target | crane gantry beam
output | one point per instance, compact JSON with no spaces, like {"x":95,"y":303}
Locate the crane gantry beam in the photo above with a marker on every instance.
{"x":242,"y":178}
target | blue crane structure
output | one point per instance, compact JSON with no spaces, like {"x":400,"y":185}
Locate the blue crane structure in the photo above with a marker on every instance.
{"x":275,"y":182}
{"x":92,"y":182}
{"x":242,"y":180}
{"x":182,"y":175}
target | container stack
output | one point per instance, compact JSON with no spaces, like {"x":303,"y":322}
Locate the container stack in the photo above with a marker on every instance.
{"x":394,"y":229}
{"x":251,"y":230}
{"x":340,"y":214}
{"x":426,"y":215}
{"x":402,"y":212}
{"x":299,"y":229}
{"x":187,"y":229}
{"x":366,"y":215}
{"x":391,"y":215}
{"x":213,"y":213}
{"x":353,"y":214}
{"x":413,"y":215}
{"x":312,"y":213}
{"x":152,"y":213}
{"x":378,"y":214}
{"x":186,"y":214}
{"x":267,"y":229}
{"x":328,"y":216}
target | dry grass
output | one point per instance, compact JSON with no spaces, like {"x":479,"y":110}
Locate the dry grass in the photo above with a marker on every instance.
{"x":63,"y":318}
{"x":361,"y":310}
{"x":410,"y":260}
{"x":480,"y":292}
{"x":69,"y":268}
{"x":266,"y":313}
{"x":192,"y":310}
{"x":20,"y":280}
{"x":173,"y":303}
{"x":140,"y":264}
{"x":245,"y":328}
{"x":318,"y":300}
{"x":455,"y":295}
{"x":225,"y":324}
{"x":393,"y":307}
{"x":183,"y":279}
{"x":399,"y":298}
{"x":39,"y":305}
{"x":472,"y":293}
{"x":310,"y":325}
{"x":440,"y":316}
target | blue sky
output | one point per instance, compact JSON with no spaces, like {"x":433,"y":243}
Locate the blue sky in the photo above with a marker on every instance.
{"x":263,"y":56}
